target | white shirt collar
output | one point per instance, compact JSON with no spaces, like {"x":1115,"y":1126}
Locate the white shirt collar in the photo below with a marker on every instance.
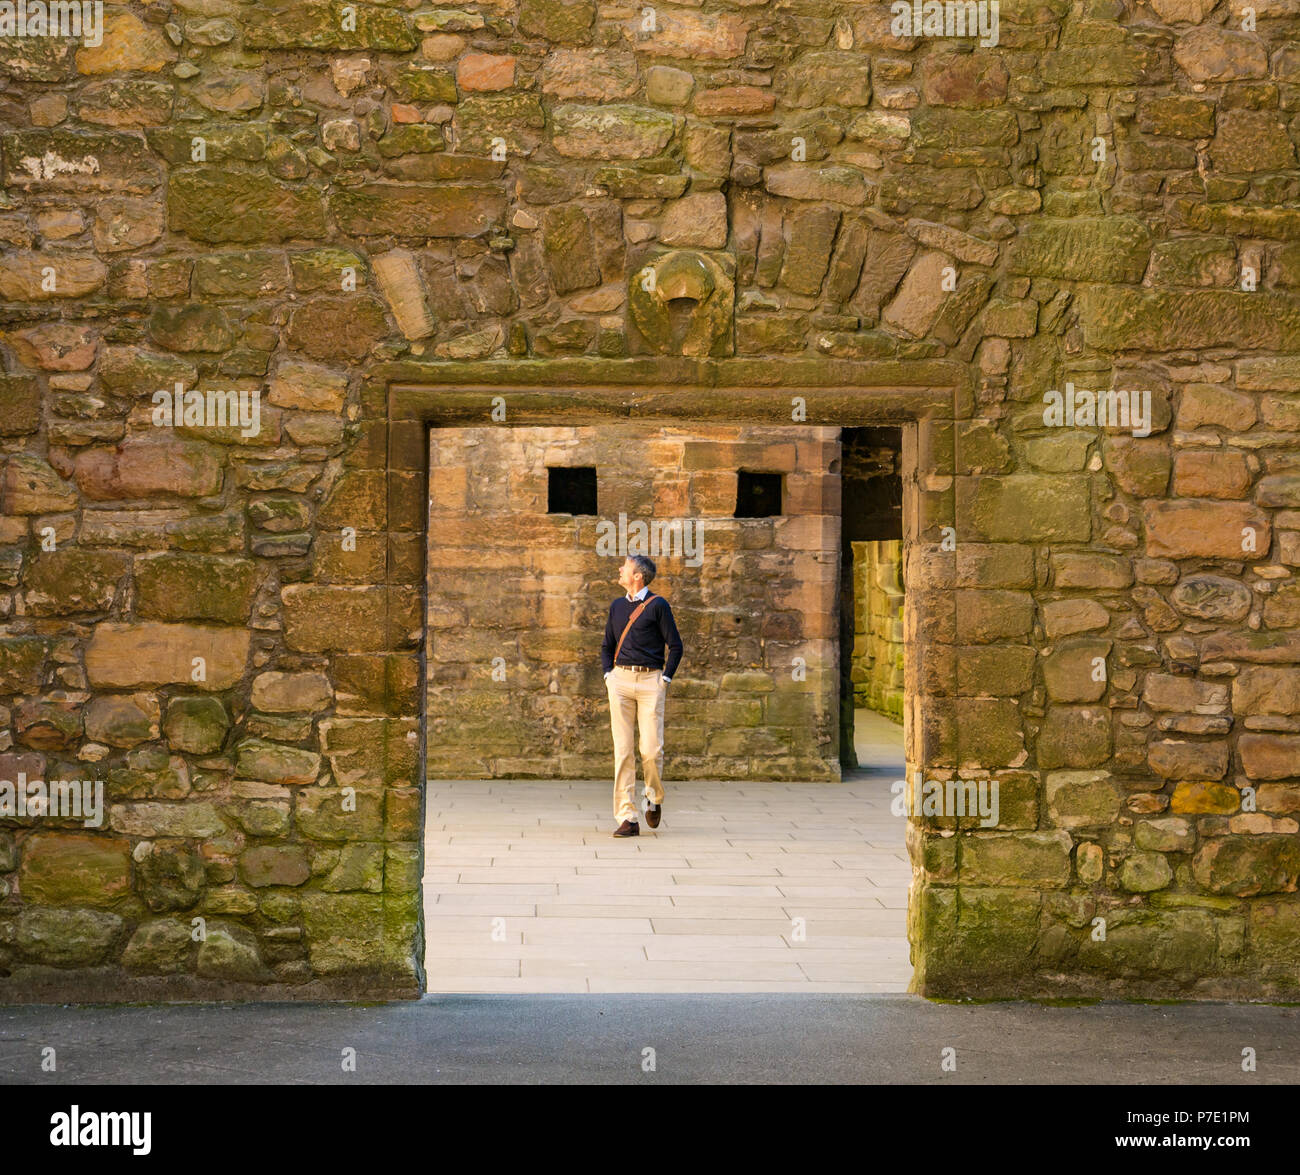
{"x":639,"y":594}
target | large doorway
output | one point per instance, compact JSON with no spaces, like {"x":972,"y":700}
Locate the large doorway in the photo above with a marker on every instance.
{"x":784,"y":879}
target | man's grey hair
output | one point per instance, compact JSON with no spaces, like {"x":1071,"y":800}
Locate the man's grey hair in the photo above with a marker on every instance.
{"x":645,"y":565}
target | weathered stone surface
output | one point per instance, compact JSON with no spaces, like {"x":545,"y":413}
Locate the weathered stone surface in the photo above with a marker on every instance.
{"x":148,"y":819}
{"x":66,"y":937}
{"x":337,"y":328}
{"x":61,"y":160}
{"x":570,"y":248}
{"x":194,"y":587}
{"x":1041,"y":858}
{"x":558,"y":20}
{"x":275,"y":763}
{"x":1168,"y":834}
{"x":1067,"y":617}
{"x":61,"y":583}
{"x":1266,"y":690}
{"x":828,"y":79}
{"x":978,"y":931}
{"x":318,"y":24}
{"x":127,"y":44}
{"x":1125,"y":319}
{"x":611,"y":132}
{"x":126,"y":103}
{"x":836,"y":185}
{"x":808,"y":253}
{"x":233,"y":206}
{"x":1212,"y":475}
{"x":965,"y":79}
{"x":319,"y":619}
{"x":1164,"y":691}
{"x":1153,"y":943}
{"x":1224,"y":530}
{"x":75,"y":869}
{"x":20,"y":405}
{"x":1074,"y":736}
{"x":148,"y":468}
{"x":274,"y":865}
{"x":1076,"y":671}
{"x":123,"y":656}
{"x":197,"y":725}
{"x":596,"y":73}
{"x":159,"y":947}
{"x":1083,"y":799}
{"x":408,"y":210}
{"x":123,"y":720}
{"x":1124,"y":64}
{"x":343,"y":931}
{"x":1270,"y":756}
{"x":701,"y":36}
{"x":1145,"y":872}
{"x":1024,"y":507}
{"x":171,"y":874}
{"x":399,"y":279}
{"x":308,"y":386}
{"x":40,"y":277}
{"x":1250,"y":865}
{"x":1211,"y":597}
{"x":288,"y":693}
{"x":1268,"y":375}
{"x":230,"y":952}
{"x":921,"y":296}
{"x":484,"y":121}
{"x":1177,"y":759}
{"x":699,"y":219}
{"x":1178,"y":11}
{"x":1083,"y":249}
{"x":1211,"y":54}
{"x":1252,"y":140}
{"x":30,"y":486}
{"x":21,"y":661}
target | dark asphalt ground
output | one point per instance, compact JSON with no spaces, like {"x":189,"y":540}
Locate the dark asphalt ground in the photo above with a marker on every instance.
{"x":732,"y":1039}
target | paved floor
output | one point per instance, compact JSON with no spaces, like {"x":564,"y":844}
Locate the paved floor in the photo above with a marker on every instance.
{"x":600,"y":1039}
{"x":745,"y":887}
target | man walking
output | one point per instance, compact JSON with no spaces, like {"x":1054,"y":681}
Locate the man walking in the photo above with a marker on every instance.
{"x":640,"y":625}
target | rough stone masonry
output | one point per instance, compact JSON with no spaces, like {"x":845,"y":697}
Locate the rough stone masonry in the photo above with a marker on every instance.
{"x":321,"y":202}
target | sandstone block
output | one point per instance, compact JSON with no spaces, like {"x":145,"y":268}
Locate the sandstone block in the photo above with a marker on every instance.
{"x":197,"y":725}
{"x":148,"y":468}
{"x":1270,"y":756}
{"x":66,"y":937}
{"x":124,"y":655}
{"x":611,"y":132}
{"x":74,"y":869}
{"x":399,"y":279}
{"x":1206,"y":529}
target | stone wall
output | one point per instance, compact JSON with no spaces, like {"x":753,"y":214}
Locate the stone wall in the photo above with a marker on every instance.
{"x":518,"y":599}
{"x":878,"y":627}
{"x":328,"y":203}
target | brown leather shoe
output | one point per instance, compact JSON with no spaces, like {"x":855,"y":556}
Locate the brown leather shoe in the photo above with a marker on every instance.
{"x":628,"y":828}
{"x":652,"y":814}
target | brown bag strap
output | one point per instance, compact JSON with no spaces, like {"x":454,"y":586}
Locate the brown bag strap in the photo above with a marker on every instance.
{"x":641,"y":607}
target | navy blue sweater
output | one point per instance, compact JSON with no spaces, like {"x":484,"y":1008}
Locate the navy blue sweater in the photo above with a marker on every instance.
{"x":644,"y":645}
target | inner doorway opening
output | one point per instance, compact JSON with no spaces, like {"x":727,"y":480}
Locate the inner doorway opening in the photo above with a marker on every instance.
{"x":776,"y":868}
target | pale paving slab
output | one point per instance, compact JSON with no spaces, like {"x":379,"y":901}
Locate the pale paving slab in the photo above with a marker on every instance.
{"x":525,"y":891}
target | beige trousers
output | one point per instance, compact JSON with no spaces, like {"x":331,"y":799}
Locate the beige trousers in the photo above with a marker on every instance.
{"x":636,"y":698}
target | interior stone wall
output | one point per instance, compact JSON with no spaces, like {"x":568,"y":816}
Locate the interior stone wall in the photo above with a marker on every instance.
{"x":878,"y":627}
{"x":718,"y":204}
{"x":518,"y":600}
